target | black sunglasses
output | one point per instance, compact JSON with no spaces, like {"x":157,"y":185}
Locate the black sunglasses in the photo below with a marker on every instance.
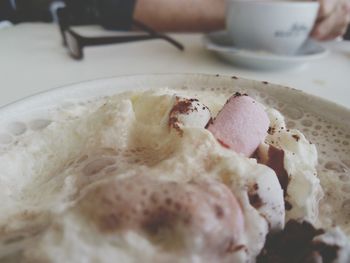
{"x":75,"y":42}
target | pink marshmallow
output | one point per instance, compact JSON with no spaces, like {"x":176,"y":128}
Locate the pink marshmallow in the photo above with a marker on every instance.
{"x":241,"y":125}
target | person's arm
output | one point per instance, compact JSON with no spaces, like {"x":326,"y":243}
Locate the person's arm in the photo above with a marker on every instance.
{"x":181,"y":15}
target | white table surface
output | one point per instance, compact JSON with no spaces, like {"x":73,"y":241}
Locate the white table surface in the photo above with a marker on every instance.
{"x":32,"y":60}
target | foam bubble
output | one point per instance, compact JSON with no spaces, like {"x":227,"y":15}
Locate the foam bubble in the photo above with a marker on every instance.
{"x":291,"y":124}
{"x":17,"y":128}
{"x":306,"y":123}
{"x":346,"y":206}
{"x":38,"y":124}
{"x":346,"y":188}
{"x":293,"y":113}
{"x":335,"y":166}
{"x":344,"y":177}
{"x":68,"y":105}
{"x":5,"y":138}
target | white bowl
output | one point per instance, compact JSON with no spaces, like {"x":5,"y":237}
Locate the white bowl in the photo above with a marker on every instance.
{"x":279,"y":27}
{"x":298,"y":108}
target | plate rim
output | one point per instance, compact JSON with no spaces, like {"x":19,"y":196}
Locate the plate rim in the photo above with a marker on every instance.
{"x":334,"y":107}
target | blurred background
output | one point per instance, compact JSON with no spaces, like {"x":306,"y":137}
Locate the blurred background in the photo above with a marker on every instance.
{"x":18,"y":11}
{"x":42,"y":47}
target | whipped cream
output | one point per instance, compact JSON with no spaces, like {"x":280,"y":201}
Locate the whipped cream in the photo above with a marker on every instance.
{"x":153,"y":141}
{"x":299,"y":156}
{"x":188,"y":112}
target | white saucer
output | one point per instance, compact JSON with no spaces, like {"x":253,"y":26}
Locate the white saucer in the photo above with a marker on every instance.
{"x":220,"y":43}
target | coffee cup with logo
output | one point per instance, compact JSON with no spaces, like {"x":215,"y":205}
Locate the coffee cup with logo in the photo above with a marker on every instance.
{"x":279,"y":27}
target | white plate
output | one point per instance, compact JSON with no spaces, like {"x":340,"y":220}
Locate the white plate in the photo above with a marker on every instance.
{"x":324,"y":123}
{"x":220,"y":43}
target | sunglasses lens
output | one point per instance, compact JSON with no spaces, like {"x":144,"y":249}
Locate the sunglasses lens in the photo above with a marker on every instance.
{"x":73,"y":46}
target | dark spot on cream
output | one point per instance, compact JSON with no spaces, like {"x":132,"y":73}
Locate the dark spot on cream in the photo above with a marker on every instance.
{"x":110,"y":222}
{"x":177,"y":206}
{"x":146,"y":212}
{"x":238,"y":94}
{"x":154,"y":198}
{"x":168,"y":201}
{"x":219,"y":211}
{"x":271,"y":130}
{"x":187,"y":220}
{"x":296,"y":137}
{"x":158,"y":220}
{"x":288,"y":206}
{"x":254,"y":198}
{"x":181,"y":106}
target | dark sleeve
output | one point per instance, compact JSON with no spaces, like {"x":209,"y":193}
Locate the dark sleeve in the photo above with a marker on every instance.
{"x":111,"y":14}
{"x":116,"y":14}
{"x":32,"y":10}
{"x":6,"y":10}
{"x":347,"y":34}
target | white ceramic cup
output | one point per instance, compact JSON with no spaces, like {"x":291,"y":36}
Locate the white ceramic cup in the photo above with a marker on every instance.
{"x":279,"y":27}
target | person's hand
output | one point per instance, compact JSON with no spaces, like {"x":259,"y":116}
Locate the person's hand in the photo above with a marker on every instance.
{"x":333,"y":19}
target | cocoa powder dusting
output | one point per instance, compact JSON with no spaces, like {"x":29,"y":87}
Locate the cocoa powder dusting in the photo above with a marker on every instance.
{"x":296,"y":137}
{"x":238,"y":94}
{"x":254,"y":198}
{"x":180,"y":107}
{"x":271,"y":130}
{"x":158,"y":220}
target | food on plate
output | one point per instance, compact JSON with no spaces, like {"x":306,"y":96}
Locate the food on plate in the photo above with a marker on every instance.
{"x":241,"y":125}
{"x":164,"y":176}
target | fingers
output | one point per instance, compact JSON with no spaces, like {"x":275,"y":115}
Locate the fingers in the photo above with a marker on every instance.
{"x":326,"y":8}
{"x":332,"y":21}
